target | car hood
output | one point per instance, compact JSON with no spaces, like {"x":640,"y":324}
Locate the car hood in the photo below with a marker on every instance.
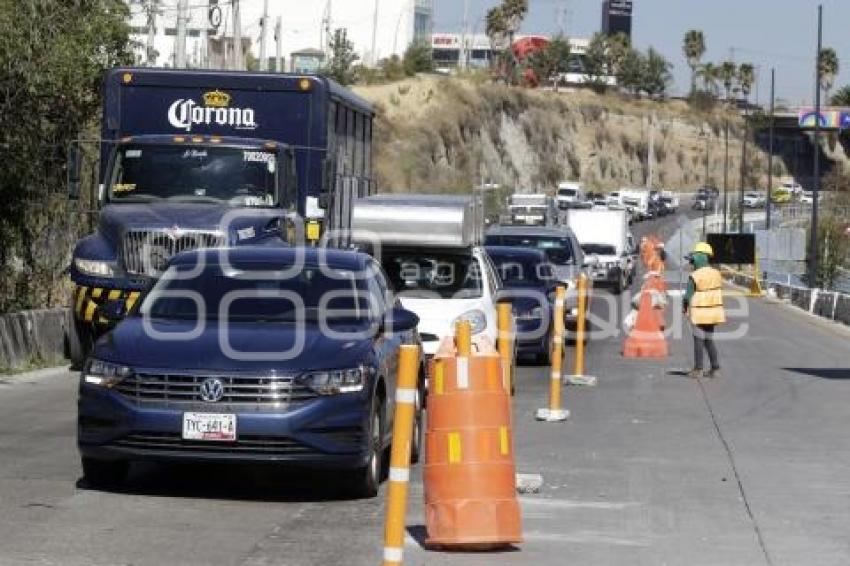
{"x":130,"y":343}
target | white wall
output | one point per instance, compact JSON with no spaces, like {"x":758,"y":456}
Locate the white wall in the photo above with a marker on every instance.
{"x":301,"y":23}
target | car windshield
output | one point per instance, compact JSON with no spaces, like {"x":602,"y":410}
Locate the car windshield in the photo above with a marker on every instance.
{"x":567,"y":192}
{"x":423,"y":273}
{"x":599,"y":249}
{"x":557,"y":248}
{"x":309,"y":294}
{"x":522,"y":271}
{"x":239,"y":177}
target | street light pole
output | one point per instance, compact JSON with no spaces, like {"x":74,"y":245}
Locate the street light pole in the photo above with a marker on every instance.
{"x":813,"y":251}
{"x":770,"y":149}
{"x":743,"y":169}
{"x":707,"y":184}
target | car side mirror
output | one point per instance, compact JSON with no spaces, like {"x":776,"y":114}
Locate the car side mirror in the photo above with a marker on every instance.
{"x":399,"y":320}
{"x":75,"y":167}
{"x":112,"y":310}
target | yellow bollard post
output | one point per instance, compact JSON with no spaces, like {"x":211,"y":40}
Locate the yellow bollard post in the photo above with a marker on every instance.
{"x":555,"y":413}
{"x":463,"y":342}
{"x":578,"y":377}
{"x":505,"y":346}
{"x":405,"y":397}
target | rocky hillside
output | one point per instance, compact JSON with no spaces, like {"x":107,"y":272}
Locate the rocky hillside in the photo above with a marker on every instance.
{"x":445,"y":133}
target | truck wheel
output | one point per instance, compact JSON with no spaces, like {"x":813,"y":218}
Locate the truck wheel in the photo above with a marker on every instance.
{"x":104,"y":473}
{"x":80,"y":339}
{"x":367,"y":480}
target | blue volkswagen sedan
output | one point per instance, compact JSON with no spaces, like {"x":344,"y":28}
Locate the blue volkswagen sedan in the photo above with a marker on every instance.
{"x":529,"y":283}
{"x":250,"y":354}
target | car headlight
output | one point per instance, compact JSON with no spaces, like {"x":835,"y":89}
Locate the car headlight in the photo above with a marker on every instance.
{"x":534,"y":314}
{"x":476,"y":319}
{"x":332,"y":382}
{"x":94,"y":267}
{"x":105,"y":374}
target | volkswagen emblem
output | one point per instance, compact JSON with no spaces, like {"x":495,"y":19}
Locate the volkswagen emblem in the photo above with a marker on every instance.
{"x":212,"y":390}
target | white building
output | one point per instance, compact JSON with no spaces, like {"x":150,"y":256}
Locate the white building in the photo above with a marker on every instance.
{"x":388,"y":25}
{"x":448,"y":51}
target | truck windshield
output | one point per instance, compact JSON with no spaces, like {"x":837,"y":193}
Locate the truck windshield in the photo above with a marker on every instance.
{"x":233,"y":176}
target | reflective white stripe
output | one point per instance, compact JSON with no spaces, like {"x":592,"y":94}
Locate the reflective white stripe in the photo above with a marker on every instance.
{"x":405,"y":396}
{"x":399,"y":474}
{"x":463,"y":373}
{"x":559,"y":303}
{"x":393,"y":554}
{"x":558,"y":338}
{"x":556,"y":375}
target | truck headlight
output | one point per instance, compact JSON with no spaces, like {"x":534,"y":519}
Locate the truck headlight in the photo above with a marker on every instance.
{"x":476,"y":318}
{"x":105,"y":374}
{"x":335,"y":381}
{"x":95,"y":267}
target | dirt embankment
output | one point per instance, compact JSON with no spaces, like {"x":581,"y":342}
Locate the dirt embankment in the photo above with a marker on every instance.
{"x":444,"y":134}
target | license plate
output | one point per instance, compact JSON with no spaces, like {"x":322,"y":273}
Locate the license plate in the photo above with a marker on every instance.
{"x":209,"y":426}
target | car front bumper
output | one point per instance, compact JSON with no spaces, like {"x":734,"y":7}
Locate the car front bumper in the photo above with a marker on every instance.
{"x":325,"y":432}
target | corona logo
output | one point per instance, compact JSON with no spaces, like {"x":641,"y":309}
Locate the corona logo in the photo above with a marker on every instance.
{"x":184,"y":113}
{"x":216,"y":99}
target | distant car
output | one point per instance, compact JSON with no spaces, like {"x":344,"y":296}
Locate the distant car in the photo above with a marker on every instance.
{"x":561,"y":247}
{"x":753,"y":200}
{"x":613,"y":199}
{"x":781,"y":195}
{"x":808,"y":197}
{"x":254,"y":354}
{"x":703,"y":202}
{"x":529,"y":283}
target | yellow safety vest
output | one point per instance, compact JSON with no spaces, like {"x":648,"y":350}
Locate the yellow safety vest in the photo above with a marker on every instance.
{"x":706,"y":306}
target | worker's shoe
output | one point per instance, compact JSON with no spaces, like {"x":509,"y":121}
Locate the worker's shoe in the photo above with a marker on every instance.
{"x":695,"y":373}
{"x":713,"y":372}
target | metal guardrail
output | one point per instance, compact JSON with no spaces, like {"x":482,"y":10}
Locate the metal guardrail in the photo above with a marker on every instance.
{"x":831,"y":305}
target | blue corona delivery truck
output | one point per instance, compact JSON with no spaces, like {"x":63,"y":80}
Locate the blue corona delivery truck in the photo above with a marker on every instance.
{"x":198,"y":159}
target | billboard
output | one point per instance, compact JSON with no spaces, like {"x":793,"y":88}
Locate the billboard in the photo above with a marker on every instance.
{"x":617,"y":17}
{"x":733,"y":248}
{"x":830,"y":118}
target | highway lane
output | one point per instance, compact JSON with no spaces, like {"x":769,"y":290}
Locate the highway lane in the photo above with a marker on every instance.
{"x":647,"y":471}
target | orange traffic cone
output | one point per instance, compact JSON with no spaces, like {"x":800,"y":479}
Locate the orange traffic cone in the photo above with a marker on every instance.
{"x":646,"y":340}
{"x":469,"y":472}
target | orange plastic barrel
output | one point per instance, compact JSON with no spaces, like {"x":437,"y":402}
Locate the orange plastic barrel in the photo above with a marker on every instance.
{"x":469,"y":472}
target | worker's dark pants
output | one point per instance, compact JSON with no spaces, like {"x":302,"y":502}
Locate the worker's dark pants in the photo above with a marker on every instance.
{"x":704,"y":338}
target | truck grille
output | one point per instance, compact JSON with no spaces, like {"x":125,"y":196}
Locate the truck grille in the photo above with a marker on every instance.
{"x":146,"y":252}
{"x":247,"y":444}
{"x":240,"y":392}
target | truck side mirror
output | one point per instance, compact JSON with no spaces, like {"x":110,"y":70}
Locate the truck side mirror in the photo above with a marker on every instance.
{"x":75,"y":166}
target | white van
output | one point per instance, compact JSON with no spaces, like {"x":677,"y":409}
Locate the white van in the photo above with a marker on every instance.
{"x":605,"y":241}
{"x":637,"y":202}
{"x":569,"y":194}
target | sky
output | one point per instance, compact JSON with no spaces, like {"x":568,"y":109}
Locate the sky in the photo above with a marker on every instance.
{"x":766,"y":33}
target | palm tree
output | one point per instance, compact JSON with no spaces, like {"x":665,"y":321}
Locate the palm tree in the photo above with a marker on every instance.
{"x":694,"y":48}
{"x":827,"y":68}
{"x":841,"y":97}
{"x":746,"y":78}
{"x":726,"y":74}
{"x":497,"y":31}
{"x":514,"y":12}
{"x":709,"y":73}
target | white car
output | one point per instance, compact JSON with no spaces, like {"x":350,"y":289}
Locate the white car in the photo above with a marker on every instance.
{"x":753,"y":200}
{"x":808,"y":197}
{"x":443,"y":286}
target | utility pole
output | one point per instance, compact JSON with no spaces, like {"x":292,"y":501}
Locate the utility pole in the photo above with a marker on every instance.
{"x":150,"y":50}
{"x":813,"y":252}
{"x":238,"y":57}
{"x":375,"y":35}
{"x":180,"y":38}
{"x":278,"y":46}
{"x":326,"y":29}
{"x":726,"y":176}
{"x":463,"y":37}
{"x":770,"y":149}
{"x":650,"y":152}
{"x":743,"y":169}
{"x":264,"y":24}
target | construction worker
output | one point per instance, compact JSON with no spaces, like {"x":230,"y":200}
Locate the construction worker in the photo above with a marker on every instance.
{"x":703,"y":303}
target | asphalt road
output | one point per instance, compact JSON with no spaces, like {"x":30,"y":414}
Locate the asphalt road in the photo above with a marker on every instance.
{"x":652,"y":468}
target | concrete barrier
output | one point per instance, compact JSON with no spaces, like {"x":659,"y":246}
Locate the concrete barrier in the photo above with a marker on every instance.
{"x":33,"y":337}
